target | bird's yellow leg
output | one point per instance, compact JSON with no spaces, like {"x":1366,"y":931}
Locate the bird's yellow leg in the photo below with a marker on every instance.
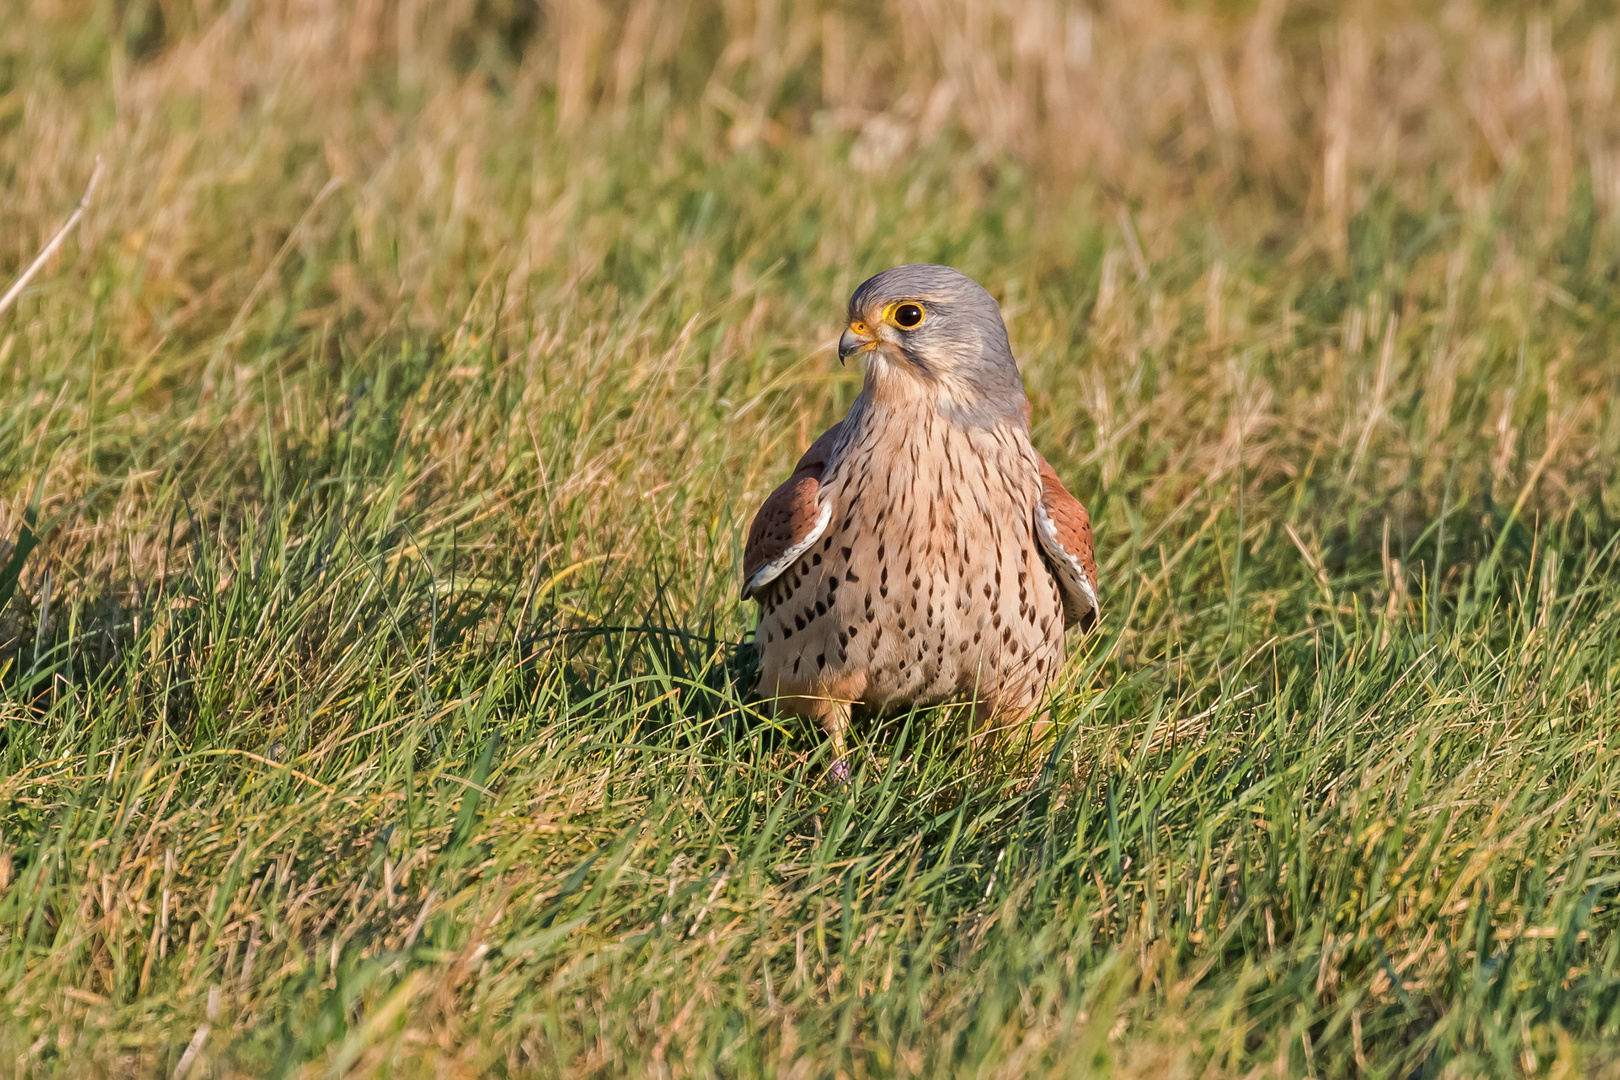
{"x":835,"y":721}
{"x":829,"y":704}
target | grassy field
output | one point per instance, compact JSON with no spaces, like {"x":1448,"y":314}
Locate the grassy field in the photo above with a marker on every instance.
{"x":375,"y":452}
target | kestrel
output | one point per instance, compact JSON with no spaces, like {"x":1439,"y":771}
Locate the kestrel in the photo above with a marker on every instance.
{"x":923,"y":551}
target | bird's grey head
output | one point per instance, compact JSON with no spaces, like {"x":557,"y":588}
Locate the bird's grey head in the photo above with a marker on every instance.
{"x":933,"y":331}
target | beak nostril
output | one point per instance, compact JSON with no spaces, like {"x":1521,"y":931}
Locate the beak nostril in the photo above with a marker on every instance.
{"x":853,"y":340}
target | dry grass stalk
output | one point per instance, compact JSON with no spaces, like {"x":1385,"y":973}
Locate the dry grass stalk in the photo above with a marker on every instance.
{"x":51,"y":245}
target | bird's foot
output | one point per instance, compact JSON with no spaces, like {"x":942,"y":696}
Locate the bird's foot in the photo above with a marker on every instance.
{"x":838,"y":772}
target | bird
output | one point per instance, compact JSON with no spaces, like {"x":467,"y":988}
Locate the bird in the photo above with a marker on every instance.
{"x":922,"y":552}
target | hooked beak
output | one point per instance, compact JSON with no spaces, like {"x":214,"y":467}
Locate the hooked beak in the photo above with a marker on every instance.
{"x":854,"y":338}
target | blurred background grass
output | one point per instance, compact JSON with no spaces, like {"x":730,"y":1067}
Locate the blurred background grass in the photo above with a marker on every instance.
{"x":373,"y":459}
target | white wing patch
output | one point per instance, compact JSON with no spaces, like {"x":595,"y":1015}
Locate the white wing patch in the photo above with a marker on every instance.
{"x":774,"y":569}
{"x":1068,"y":567}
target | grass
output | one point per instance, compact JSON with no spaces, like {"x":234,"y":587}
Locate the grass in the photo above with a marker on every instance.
{"x":374,"y":457}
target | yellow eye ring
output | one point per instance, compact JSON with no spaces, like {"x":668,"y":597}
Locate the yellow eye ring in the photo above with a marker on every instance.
{"x":905,"y":315}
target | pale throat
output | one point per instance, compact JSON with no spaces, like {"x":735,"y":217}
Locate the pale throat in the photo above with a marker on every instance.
{"x":893,"y":388}
{"x":892,"y":383}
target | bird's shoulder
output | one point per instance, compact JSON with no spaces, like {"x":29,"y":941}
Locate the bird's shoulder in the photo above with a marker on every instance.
{"x":792,"y":517}
{"x":1063,"y":528}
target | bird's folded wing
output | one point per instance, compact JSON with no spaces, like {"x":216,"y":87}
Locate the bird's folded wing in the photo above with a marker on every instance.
{"x":793,"y":518}
{"x":1064,"y":530}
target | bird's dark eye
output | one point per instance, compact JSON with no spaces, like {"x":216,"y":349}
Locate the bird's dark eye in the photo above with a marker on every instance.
{"x":908,"y":316}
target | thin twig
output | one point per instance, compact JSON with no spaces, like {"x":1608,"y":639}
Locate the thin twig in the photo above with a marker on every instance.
{"x":56,"y":241}
{"x":421,"y":918}
{"x":1133,"y":245}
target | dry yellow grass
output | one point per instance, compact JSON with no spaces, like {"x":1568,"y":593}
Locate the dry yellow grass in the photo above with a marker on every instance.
{"x":371,"y":702}
{"x":449,"y":164}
